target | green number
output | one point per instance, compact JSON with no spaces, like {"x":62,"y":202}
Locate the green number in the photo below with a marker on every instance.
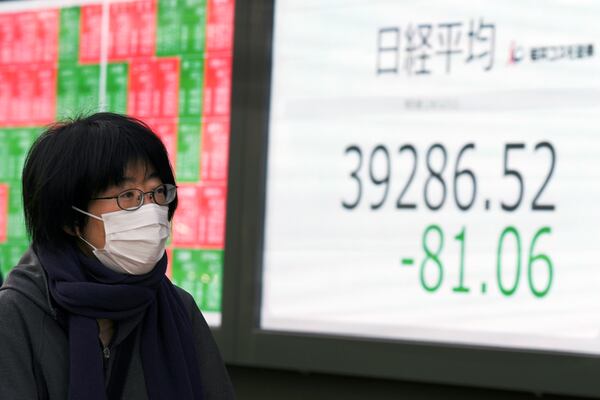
{"x":461,"y":277}
{"x":433,"y":257}
{"x":503,"y":289}
{"x":539,"y":257}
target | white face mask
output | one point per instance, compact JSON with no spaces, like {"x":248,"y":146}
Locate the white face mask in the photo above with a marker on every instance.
{"x":134,"y":240}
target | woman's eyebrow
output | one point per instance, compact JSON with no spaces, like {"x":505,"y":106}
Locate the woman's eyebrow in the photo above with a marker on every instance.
{"x":153,"y":174}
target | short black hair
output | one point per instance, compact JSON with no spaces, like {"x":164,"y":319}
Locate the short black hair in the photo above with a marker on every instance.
{"x":73,"y":161}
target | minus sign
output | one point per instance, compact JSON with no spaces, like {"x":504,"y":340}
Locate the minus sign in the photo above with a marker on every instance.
{"x":408,"y":261}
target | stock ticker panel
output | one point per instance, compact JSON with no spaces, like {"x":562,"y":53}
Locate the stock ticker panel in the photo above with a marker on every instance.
{"x":166,"y":62}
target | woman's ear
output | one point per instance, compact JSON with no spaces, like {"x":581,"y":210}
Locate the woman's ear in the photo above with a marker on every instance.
{"x":71,"y":231}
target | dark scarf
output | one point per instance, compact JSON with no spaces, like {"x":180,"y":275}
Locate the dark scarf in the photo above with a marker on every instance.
{"x":87,"y":290}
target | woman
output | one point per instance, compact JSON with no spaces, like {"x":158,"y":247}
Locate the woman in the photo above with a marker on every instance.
{"x":88,"y":313}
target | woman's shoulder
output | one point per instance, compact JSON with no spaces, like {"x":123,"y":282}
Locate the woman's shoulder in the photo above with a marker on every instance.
{"x":192,"y":309}
{"x":11,"y":304}
{"x":25,"y":289}
{"x":186,"y":297}
{"x":212,"y":368}
{"x":27,"y":283}
{"x":23,"y":305}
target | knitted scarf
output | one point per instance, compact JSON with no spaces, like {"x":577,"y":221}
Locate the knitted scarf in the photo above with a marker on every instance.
{"x":87,"y":291}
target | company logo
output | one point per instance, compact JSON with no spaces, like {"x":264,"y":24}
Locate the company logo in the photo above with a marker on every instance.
{"x":519,"y":54}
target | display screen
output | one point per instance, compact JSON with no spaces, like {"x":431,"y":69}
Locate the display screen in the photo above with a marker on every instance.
{"x":433,"y":173}
{"x":167,"y":62}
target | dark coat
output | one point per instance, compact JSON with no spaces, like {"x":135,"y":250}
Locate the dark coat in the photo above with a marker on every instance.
{"x":34,"y":349}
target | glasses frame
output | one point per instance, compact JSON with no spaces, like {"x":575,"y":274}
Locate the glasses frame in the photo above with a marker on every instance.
{"x":167,"y":186}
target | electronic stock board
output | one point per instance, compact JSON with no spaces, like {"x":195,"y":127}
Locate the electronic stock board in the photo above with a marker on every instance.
{"x":166,"y":62}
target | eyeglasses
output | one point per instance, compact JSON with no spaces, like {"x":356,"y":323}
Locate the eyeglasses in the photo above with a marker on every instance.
{"x":132,"y":199}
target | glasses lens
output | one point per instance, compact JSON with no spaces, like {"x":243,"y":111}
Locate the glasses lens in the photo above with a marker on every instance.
{"x":130,"y":199}
{"x":164,"y":194}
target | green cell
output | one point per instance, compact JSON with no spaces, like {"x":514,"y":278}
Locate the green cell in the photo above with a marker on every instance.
{"x":5,"y":173}
{"x":168,"y":28}
{"x":20,"y":142}
{"x":77,"y":89}
{"x":193,"y":10}
{"x":116,"y":87}
{"x":16,"y":219}
{"x":193,"y":27}
{"x":14,"y":144}
{"x":188,"y":151}
{"x":66,"y":91}
{"x":191,"y":80}
{"x":10,"y":254}
{"x":88,"y":83}
{"x":181,"y":27}
{"x":200,"y":272}
{"x":68,"y":47}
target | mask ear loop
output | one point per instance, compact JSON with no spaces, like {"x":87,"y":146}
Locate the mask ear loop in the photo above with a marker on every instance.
{"x":87,"y":213}
{"x":90,"y":215}
{"x":88,"y":243}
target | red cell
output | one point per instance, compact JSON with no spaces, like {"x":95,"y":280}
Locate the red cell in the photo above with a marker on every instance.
{"x":23,"y":95}
{"x":215,"y":149}
{"x":27,"y":94}
{"x":154,"y":88}
{"x":141,"y":88}
{"x":167,"y":70}
{"x":166,"y":130}
{"x":90,"y":34}
{"x":211,"y":224}
{"x":44,"y":104}
{"x":200,"y":218}
{"x":217,"y":86}
{"x":123,"y":24}
{"x":6,"y":89}
{"x":29,"y":37}
{"x":146,"y":27}
{"x":132,"y":31}
{"x":7,"y":38}
{"x":3,"y":211}
{"x":219,"y":25}
{"x":45,"y":41}
{"x":185,"y":222}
